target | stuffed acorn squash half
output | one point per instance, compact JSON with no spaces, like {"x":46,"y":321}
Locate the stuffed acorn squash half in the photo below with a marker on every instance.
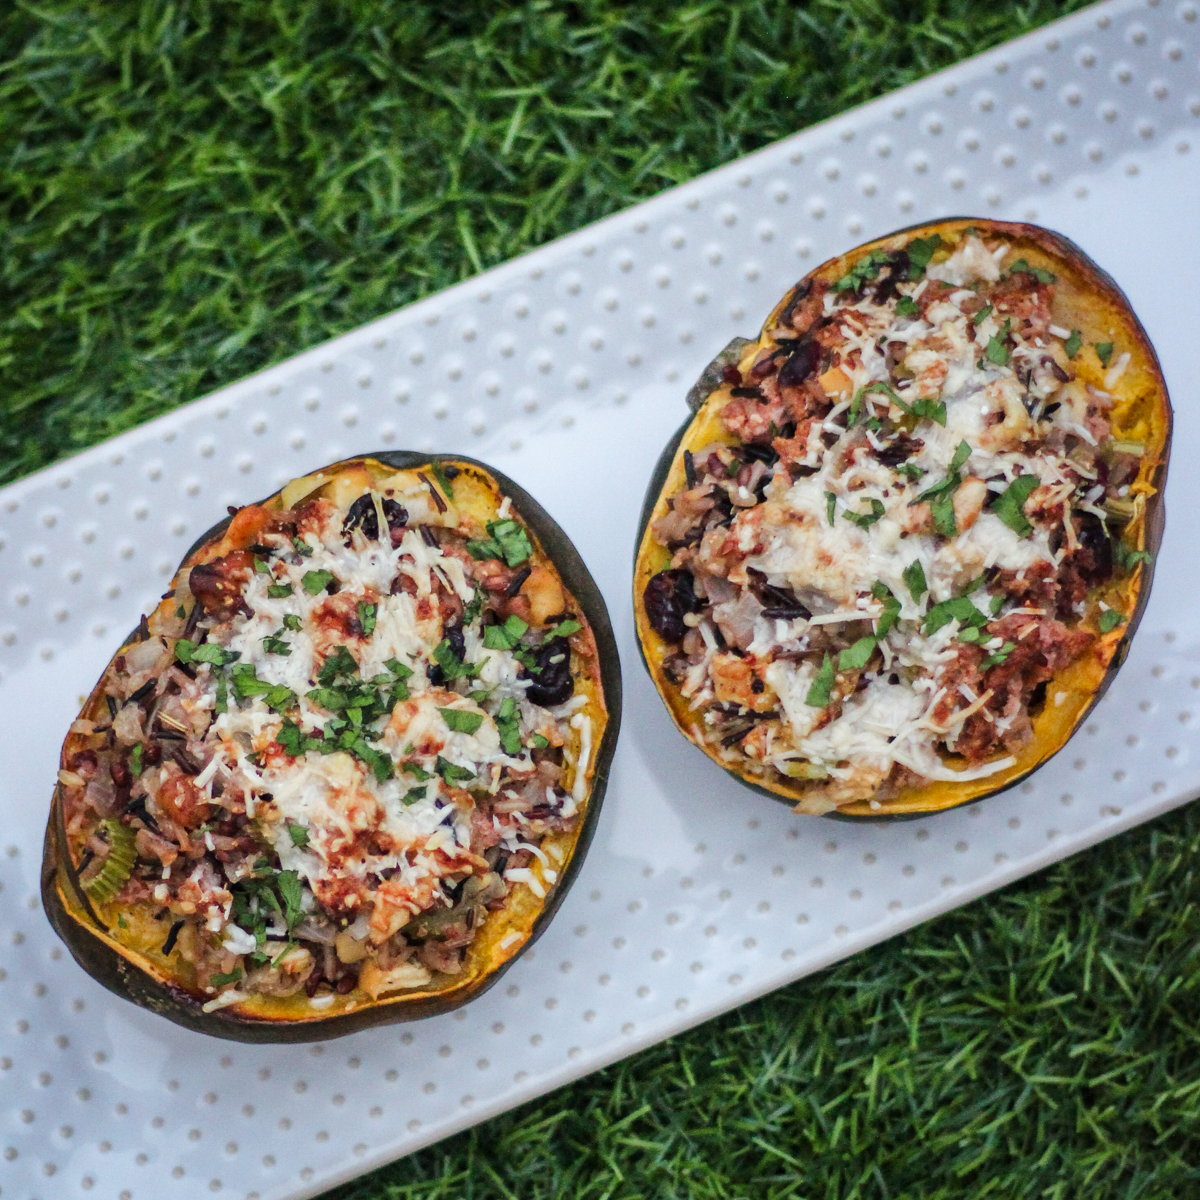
{"x":348,"y":768}
{"x":898,"y":551}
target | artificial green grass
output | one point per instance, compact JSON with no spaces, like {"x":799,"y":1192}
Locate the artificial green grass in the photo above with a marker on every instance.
{"x":192,"y":191}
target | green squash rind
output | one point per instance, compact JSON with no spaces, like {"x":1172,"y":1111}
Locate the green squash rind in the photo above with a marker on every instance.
{"x":75,"y":921}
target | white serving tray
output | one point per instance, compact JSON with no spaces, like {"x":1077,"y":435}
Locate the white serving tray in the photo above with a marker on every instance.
{"x":567,"y":369}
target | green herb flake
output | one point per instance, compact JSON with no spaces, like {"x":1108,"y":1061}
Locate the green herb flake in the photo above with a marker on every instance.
{"x":865,"y":520}
{"x":914,"y":580}
{"x":1104,"y":352}
{"x":459,"y":721}
{"x":298,"y":834}
{"x":188,"y":652}
{"x":958,"y":609}
{"x":221,"y":703}
{"x":997,"y":351}
{"x":855,"y":657}
{"x":1072,"y":344}
{"x":301,"y":547}
{"x":292,"y":622}
{"x":315,"y":582}
{"x":1110,"y":618}
{"x":943,"y":515}
{"x":398,"y":668}
{"x":260,"y":567}
{"x":1010,"y":505}
{"x":277,"y":591}
{"x":276,"y":645}
{"x":830,"y":506}
{"x":920,"y":253}
{"x":996,"y":604}
{"x":452,"y":773}
{"x":998,"y":656}
{"x":906,"y":306}
{"x":366,"y":617}
{"x":538,"y":742}
{"x":566,"y":628}
{"x":226,"y":977}
{"x":982,"y":315}
{"x":821,"y":687}
{"x":135,"y":760}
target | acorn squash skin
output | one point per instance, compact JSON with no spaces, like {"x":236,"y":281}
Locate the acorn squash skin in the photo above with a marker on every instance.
{"x":130,"y":976}
{"x":1148,"y":537}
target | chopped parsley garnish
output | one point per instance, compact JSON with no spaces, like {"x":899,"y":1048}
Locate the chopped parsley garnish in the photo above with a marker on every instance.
{"x":452,"y":666}
{"x":1072,"y":344}
{"x":472,"y":610}
{"x":458,"y":721}
{"x":509,"y":727}
{"x":855,"y":657}
{"x":997,"y":351}
{"x":135,"y":759}
{"x":506,"y":636}
{"x":866,"y":520}
{"x":413,"y":795}
{"x":891,"y":609}
{"x":866,"y":268}
{"x":301,"y":547}
{"x":508,"y":541}
{"x":821,"y":687}
{"x":1125,"y":559}
{"x":452,"y":773}
{"x":298,"y":834}
{"x":1010,"y":505}
{"x":246,"y":685}
{"x":998,"y":656}
{"x":982,"y":315}
{"x":566,"y":628}
{"x":340,"y":663}
{"x":920,"y":252}
{"x":315,"y":582}
{"x":910,"y":471}
{"x":1039,"y":273}
{"x":996,"y":604}
{"x":914,"y":580}
{"x":260,"y":567}
{"x":222,"y":701}
{"x":958,"y":609}
{"x":942,"y":509}
{"x":292,"y":622}
{"x":538,"y":742}
{"x":906,"y":306}
{"x":417,"y":772}
{"x":927,"y":408}
{"x":398,"y":669}
{"x":830,"y":506}
{"x":188,"y":652}
{"x":366,"y":617}
{"x":1104,"y":352}
{"x":275,"y":645}
{"x":226,"y":977}
{"x":277,"y":591}
{"x":1110,"y":618}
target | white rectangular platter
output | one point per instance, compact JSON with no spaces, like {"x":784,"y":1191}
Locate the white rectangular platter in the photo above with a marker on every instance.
{"x":566,"y":369}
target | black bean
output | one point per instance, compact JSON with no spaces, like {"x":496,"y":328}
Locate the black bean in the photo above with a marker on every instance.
{"x":1095,"y":547}
{"x":552,"y":683}
{"x":668,"y":596}
{"x":801,"y":365}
